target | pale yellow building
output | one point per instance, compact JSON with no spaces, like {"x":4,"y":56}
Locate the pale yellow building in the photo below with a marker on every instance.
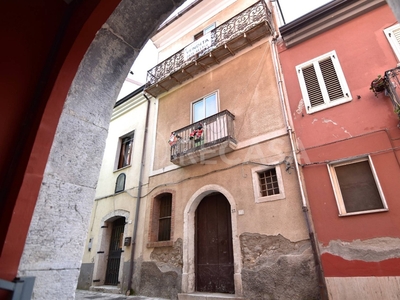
{"x":115,"y":229}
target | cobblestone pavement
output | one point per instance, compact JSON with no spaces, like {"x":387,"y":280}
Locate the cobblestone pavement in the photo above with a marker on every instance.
{"x":89,"y":295}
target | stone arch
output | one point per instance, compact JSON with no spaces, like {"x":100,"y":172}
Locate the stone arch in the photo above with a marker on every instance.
{"x":115,"y":213}
{"x":71,"y":173}
{"x":188,"y":275}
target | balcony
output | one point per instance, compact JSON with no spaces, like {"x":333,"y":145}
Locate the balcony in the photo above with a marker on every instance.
{"x":208,"y":138}
{"x":222,"y":42}
{"x":392,"y":78}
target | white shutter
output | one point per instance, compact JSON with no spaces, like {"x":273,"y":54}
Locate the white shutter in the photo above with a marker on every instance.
{"x":312,"y":86}
{"x":322,"y":83}
{"x":331,"y":79}
{"x":393,"y":35}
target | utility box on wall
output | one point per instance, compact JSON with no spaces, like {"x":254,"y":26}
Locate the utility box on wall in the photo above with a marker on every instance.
{"x":127,"y":241}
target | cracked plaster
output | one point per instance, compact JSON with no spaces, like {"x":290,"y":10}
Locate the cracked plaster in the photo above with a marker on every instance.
{"x":373,"y":250}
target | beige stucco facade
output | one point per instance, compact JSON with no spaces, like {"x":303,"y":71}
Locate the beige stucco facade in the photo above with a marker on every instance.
{"x":246,"y":86}
{"x":267,"y":231}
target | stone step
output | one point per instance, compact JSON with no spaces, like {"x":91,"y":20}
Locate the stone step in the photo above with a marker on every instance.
{"x":208,"y":296}
{"x":111,"y":289}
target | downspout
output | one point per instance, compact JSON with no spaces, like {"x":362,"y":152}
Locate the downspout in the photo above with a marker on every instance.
{"x":277,"y":66}
{"x":139,"y":195}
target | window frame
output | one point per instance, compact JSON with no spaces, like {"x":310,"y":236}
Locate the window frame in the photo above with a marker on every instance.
{"x":153,"y":235}
{"x":394,"y":43}
{"x":203,"y":99}
{"x":256,"y":184}
{"x":163,"y":199}
{"x":321,"y":83}
{"x":120,"y":149}
{"x":120,"y":177}
{"x":337,"y":191}
{"x":204,"y":31}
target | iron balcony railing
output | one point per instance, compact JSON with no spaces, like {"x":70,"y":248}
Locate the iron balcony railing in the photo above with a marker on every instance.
{"x":238,"y":25}
{"x":206,"y":133}
{"x":392,"y":78}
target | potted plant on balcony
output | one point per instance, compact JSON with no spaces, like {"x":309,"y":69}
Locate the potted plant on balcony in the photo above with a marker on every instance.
{"x":397,"y":111}
{"x":378,"y":85}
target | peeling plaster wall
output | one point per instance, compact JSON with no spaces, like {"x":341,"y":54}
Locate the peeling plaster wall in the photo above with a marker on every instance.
{"x":372,"y":250}
{"x":276,"y":268}
{"x":162,"y":276}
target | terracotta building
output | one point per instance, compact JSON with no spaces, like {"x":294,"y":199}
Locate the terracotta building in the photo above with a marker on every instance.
{"x":340,"y":70}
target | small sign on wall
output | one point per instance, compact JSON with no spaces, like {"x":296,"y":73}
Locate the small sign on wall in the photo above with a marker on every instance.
{"x":197,"y":46}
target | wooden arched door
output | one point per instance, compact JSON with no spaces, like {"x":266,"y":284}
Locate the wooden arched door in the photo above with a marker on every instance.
{"x":214,"y":251}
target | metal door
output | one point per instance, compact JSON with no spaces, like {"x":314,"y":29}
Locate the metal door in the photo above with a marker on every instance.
{"x":114,"y":254}
{"x":214,"y":252}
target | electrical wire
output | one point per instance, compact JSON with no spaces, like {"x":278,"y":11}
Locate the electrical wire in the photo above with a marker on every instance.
{"x":284,"y":161}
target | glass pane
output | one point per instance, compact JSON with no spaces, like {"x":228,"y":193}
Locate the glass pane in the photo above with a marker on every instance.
{"x":120,"y":184}
{"x":209,"y":28}
{"x":211,"y":105}
{"x":198,"y":111}
{"x":358,"y":187}
{"x":125,"y":154}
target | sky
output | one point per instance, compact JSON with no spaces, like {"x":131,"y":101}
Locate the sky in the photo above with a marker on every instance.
{"x":147,"y":59}
{"x":293,"y":9}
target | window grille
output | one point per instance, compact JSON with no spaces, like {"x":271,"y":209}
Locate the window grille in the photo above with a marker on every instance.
{"x":268,"y":183}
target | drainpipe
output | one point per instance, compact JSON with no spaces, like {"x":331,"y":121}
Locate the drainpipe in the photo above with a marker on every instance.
{"x":321,"y":279}
{"x":139,"y":195}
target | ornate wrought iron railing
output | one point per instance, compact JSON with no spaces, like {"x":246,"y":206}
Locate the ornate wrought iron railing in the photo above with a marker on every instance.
{"x":392,"y":78}
{"x":239,"y":24}
{"x":203,"y":134}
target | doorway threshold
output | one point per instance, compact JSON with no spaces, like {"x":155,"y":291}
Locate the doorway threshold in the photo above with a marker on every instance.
{"x":110,"y":289}
{"x":208,"y":296}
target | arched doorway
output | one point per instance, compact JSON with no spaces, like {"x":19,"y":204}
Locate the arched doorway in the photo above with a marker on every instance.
{"x":189,"y":243}
{"x":114,"y":253}
{"x":214,"y":249}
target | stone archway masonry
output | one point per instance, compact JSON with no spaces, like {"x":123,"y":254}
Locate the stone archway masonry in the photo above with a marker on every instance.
{"x":55,"y":242}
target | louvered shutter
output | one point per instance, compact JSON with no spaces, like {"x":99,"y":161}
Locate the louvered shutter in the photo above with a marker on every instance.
{"x":322,"y":83}
{"x":331,"y":79}
{"x":393,"y":35}
{"x":313,"y":88}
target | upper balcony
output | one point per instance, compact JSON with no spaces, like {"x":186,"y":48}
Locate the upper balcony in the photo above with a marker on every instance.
{"x":197,"y":142}
{"x":224,"y":41}
{"x":392,"y":88}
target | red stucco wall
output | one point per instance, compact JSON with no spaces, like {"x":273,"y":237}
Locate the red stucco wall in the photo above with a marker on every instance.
{"x":366,"y":125}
